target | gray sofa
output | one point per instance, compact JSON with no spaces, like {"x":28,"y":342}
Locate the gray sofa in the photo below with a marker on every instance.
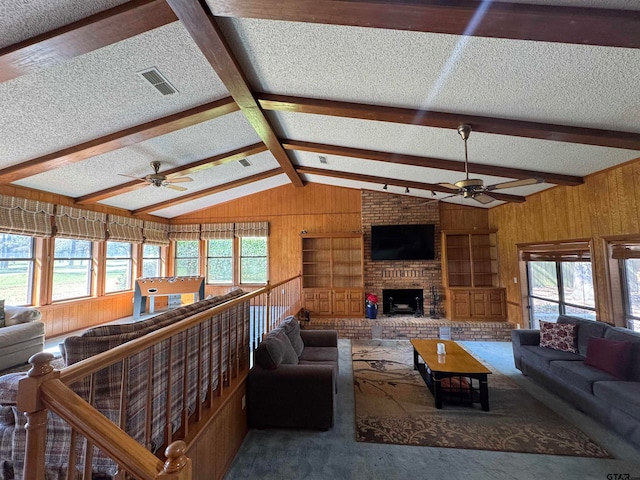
{"x":603,"y":396}
{"x":22,"y":337}
{"x":293,"y":382}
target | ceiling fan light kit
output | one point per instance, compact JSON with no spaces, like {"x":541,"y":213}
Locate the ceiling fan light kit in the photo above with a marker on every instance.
{"x":474,"y":187}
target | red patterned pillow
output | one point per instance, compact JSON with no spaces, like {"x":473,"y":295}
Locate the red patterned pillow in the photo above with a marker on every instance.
{"x":559,"y":336}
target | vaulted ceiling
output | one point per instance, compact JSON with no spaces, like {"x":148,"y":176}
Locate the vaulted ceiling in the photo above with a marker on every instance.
{"x":353,"y":93}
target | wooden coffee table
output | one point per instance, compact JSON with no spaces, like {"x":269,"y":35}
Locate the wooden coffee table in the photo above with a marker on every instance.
{"x":464,"y":377}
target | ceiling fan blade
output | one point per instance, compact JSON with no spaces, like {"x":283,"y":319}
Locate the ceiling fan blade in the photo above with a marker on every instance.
{"x":175,"y":187}
{"x":514,"y":183}
{"x":483,"y":198}
{"x":131,"y":176}
{"x":449,"y":185}
{"x":179,"y":180}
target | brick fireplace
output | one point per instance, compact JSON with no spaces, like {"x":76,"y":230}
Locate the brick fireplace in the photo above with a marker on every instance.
{"x":379,"y":208}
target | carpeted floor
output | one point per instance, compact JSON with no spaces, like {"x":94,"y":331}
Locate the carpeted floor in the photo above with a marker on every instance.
{"x":394,"y":406}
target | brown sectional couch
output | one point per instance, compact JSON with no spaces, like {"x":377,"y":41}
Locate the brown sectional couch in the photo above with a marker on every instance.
{"x":107,"y":395}
{"x":293,"y":382}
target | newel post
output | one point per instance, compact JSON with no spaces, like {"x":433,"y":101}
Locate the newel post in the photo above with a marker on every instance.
{"x":178,"y":465}
{"x":268,"y":287}
{"x":29,"y":401}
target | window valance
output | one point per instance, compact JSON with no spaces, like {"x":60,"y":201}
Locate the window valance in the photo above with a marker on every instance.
{"x":622,"y":250}
{"x":213,"y":231}
{"x":577,"y":251}
{"x":81,"y":224}
{"x":184,"y":232}
{"x":252,"y":229}
{"x":156,"y":234}
{"x":21,"y":216}
{"x":124,"y":229}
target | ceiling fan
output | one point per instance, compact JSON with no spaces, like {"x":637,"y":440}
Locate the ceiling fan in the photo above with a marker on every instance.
{"x":474,"y":187}
{"x":158,"y":180}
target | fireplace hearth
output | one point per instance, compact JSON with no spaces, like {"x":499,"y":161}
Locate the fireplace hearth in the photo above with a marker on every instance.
{"x":407,"y":301}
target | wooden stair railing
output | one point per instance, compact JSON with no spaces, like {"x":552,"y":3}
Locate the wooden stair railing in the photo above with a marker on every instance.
{"x":45,"y":389}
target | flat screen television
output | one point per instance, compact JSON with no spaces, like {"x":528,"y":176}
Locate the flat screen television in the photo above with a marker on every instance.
{"x":402,"y":242}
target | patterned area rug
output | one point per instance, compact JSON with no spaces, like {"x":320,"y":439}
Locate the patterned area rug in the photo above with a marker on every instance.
{"x":393,"y":405}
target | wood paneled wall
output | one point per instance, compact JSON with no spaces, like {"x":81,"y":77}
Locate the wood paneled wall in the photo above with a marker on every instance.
{"x":289,"y":210}
{"x":608,"y":203}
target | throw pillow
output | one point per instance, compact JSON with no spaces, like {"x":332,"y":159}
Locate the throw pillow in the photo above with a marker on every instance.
{"x":558,"y":336}
{"x":292,"y":329}
{"x":274,"y":350}
{"x":16,"y":315}
{"x":610,"y":356}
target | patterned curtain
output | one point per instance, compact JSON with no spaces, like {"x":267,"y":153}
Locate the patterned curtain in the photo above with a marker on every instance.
{"x":74,"y":222}
{"x":252,"y":229}
{"x":20,"y":216}
{"x":156,"y":234}
{"x":213,"y":231}
{"x":184,"y":232}
{"x":124,"y":229}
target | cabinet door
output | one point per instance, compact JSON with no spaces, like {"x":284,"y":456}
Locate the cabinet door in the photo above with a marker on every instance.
{"x":479,"y":303}
{"x":460,"y":304}
{"x":324,"y":302}
{"x":496,"y":304}
{"x":309,"y":300}
{"x":340,"y":302}
{"x":356,"y":302}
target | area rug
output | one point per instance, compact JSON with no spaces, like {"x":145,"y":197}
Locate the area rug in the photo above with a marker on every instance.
{"x":393,"y":405}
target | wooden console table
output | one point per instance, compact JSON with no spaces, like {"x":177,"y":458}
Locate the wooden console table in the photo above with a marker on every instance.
{"x":163,"y":286}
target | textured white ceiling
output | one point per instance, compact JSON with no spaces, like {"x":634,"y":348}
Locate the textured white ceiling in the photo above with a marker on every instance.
{"x":222,"y":197}
{"x":22,"y":19}
{"x":549,"y":82}
{"x":101,"y":93}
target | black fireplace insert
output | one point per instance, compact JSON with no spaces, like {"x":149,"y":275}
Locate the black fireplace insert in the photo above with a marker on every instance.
{"x":407,"y":301}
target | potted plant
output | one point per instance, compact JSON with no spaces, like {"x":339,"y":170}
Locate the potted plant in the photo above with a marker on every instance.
{"x":371,"y":303}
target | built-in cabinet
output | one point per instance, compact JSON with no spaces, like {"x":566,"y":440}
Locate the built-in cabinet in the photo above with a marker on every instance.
{"x":333,"y":274}
{"x":470,"y":276}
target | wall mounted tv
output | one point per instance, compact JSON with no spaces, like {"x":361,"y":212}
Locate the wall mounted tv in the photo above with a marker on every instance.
{"x":402,"y":242}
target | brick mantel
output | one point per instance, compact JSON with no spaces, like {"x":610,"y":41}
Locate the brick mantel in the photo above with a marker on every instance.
{"x":381,"y":208}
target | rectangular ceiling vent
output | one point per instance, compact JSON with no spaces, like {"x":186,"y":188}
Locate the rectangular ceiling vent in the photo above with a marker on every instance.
{"x":155,"y":78}
{"x":323,"y":159}
{"x":244,"y":162}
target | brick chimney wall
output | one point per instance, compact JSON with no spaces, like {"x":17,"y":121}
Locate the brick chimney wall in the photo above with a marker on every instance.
{"x":380,"y":208}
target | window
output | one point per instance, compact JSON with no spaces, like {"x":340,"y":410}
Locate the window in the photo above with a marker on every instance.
{"x":560,"y":288}
{"x":16,"y":268}
{"x":187,"y":258}
{"x":220,"y":261}
{"x":151,"y":261}
{"x":630,"y":273}
{"x":118,"y":267}
{"x":253,"y":260}
{"x":71,"y":269}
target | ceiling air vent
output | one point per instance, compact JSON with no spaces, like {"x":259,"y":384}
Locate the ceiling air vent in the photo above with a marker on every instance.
{"x":155,"y":78}
{"x":244,"y":162}
{"x":323,"y":159}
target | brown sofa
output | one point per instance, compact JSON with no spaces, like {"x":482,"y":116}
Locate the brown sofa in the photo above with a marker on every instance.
{"x":293,"y":382}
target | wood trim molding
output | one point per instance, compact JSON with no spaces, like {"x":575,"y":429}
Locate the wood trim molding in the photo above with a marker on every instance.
{"x":114,"y":141}
{"x":398,"y":183}
{"x":178,"y":171}
{"x":430,"y":162}
{"x":207,"y":35}
{"x":499,"y":126}
{"x":208,"y":191}
{"x":544,"y":23}
{"x":104,"y":28}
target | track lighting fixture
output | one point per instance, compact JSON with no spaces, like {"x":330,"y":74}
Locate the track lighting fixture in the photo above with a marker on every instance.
{"x":433,"y":194}
{"x":406,"y":189}
{"x":385,"y":187}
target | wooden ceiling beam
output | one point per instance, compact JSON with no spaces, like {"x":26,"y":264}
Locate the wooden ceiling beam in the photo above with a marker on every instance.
{"x":209,"y":191}
{"x":430,"y":162}
{"x":499,"y":126}
{"x":543,"y":23}
{"x":207,"y":35}
{"x":174,"y":172}
{"x":398,"y":183}
{"x":91,"y":33}
{"x":117,"y":140}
